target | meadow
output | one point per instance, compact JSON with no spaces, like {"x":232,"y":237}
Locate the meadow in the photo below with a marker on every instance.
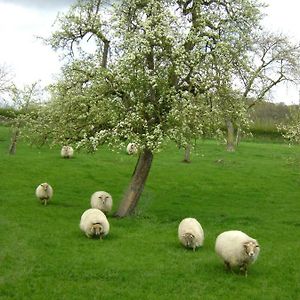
{"x":43,"y":254}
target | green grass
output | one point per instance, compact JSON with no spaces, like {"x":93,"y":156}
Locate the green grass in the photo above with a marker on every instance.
{"x":43,"y":254}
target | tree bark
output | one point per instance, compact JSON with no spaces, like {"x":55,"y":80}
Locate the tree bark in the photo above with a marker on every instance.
{"x":136,"y":186}
{"x":14,"y":140}
{"x":230,"y":136}
{"x":187,"y":154}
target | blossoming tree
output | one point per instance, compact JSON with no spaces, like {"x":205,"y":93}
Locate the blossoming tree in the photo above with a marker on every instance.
{"x":149,"y":78}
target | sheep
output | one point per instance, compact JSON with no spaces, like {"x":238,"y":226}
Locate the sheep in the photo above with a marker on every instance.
{"x":44,"y":192}
{"x":190,"y":233}
{"x":94,"y":223}
{"x":132,"y":148}
{"x":66,"y":152}
{"x":237,"y":249}
{"x":102,"y":200}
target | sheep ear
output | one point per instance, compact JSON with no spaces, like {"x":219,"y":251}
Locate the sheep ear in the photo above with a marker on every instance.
{"x":245,"y":245}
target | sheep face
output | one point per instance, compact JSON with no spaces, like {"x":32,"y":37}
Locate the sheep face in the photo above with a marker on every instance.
{"x":251,"y":249}
{"x":189,"y":239}
{"x":103,"y":198}
{"x":97,"y":230}
{"x":45,"y":186}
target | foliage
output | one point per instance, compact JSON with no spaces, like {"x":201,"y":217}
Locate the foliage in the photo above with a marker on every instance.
{"x":45,"y":256}
{"x":153,"y":72}
{"x":291,"y":130}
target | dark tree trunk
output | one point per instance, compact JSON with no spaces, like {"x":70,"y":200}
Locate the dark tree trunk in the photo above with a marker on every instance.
{"x":136,"y":186}
{"x":14,"y":140}
{"x":238,"y":137}
{"x":187,"y":154}
{"x":230,"y":136}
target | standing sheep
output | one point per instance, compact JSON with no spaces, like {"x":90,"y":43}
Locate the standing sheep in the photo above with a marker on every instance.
{"x":132,"y":148}
{"x":44,"y":192}
{"x":102,"y":200}
{"x":94,"y":223}
{"x":237,"y":249}
{"x":190,"y":233}
{"x":66,"y":152}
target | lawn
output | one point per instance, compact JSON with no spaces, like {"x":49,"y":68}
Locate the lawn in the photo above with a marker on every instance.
{"x":43,"y":254}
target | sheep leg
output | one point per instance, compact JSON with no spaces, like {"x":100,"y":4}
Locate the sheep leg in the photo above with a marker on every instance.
{"x":228,"y":267}
{"x":243,"y":269}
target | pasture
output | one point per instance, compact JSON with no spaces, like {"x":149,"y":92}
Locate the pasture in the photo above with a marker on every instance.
{"x":43,"y":254}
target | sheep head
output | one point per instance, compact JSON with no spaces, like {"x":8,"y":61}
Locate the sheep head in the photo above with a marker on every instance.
{"x":97,"y":230}
{"x":45,"y":186}
{"x":103,"y":198}
{"x":251,"y":249}
{"x":189,"y":238}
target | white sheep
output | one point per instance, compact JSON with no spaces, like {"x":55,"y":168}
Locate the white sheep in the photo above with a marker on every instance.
{"x":44,"y":192}
{"x":66,"y":152}
{"x":94,"y":223}
{"x":190,"y":233}
{"x":237,"y":249}
{"x":102,"y":200}
{"x":132,"y":148}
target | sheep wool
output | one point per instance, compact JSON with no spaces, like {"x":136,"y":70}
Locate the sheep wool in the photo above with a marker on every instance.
{"x":102,"y":200}
{"x":44,"y":192}
{"x":190,"y":233}
{"x":66,"y":152}
{"x":94,"y":223}
{"x":132,"y":148}
{"x":237,"y":249}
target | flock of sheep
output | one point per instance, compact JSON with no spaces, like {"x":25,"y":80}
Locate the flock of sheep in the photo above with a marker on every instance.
{"x":234,"y":247}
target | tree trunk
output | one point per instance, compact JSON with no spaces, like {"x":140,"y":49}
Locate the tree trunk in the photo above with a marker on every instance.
{"x":14,"y":140}
{"x":230,"y":136}
{"x":187,"y":154}
{"x":136,"y":186}
{"x":238,"y":137}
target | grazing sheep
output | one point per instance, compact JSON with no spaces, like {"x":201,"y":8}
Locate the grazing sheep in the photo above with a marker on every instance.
{"x":94,"y":223}
{"x":237,"y":249}
{"x":66,"y":152}
{"x":190,"y":233}
{"x":44,"y":192}
{"x":102,"y":200}
{"x":132,"y":148}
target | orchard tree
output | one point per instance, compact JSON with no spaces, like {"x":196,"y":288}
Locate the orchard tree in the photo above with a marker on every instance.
{"x":148,"y":78}
{"x":271,"y":60}
{"x":25,"y":101}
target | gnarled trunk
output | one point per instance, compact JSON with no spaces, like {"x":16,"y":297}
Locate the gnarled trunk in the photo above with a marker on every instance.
{"x":14,"y":140}
{"x":187,"y":154}
{"x":136,"y":186}
{"x":230,"y":136}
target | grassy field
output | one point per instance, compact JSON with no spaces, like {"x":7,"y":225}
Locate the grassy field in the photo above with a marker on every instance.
{"x":43,"y":254}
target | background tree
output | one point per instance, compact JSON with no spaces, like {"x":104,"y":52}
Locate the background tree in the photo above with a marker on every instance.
{"x":147,"y":79}
{"x":24,"y":101}
{"x":271,"y":60}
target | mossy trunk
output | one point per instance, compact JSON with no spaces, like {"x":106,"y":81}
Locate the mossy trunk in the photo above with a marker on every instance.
{"x":136,"y":186}
{"x":13,"y":144}
{"x":230,"y":136}
{"x":187,"y":154}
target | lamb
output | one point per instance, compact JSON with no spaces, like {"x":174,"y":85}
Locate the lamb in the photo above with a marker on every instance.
{"x":132,"y":148}
{"x":44,"y":192}
{"x":102,"y":200}
{"x":237,"y":249}
{"x":190,"y":233}
{"x":66,"y":152}
{"x":94,"y":223}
